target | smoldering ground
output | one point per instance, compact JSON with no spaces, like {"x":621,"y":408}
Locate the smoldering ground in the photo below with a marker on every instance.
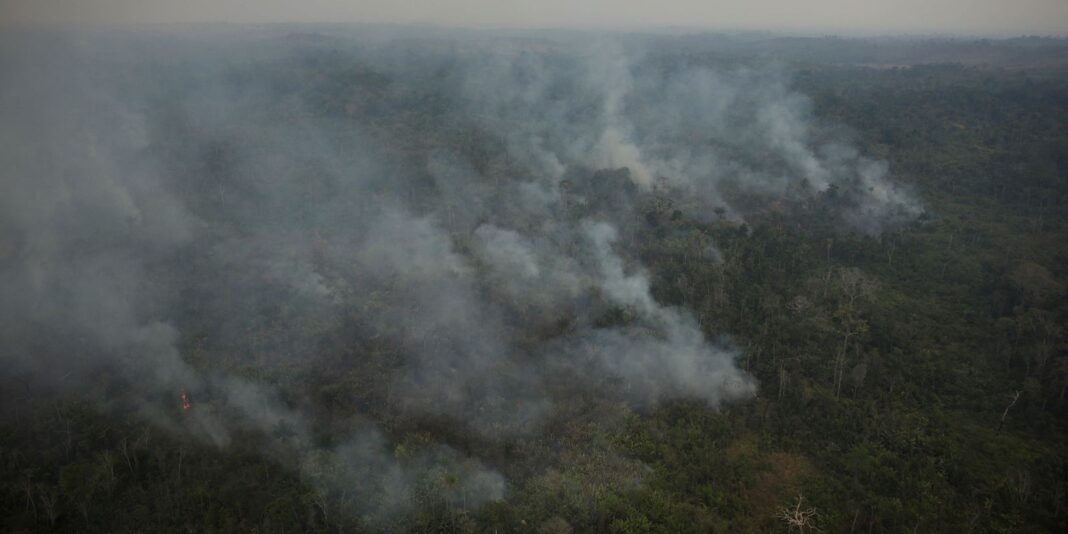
{"x":447,"y":223}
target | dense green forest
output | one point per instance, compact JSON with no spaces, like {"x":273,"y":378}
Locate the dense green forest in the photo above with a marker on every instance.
{"x":906,"y":378}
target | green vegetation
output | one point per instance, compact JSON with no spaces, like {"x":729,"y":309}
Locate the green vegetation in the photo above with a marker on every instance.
{"x":915,"y":381}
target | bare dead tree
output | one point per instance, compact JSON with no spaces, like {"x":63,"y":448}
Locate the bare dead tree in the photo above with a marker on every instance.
{"x":854,"y":284}
{"x":178,"y":476}
{"x":124,"y":447}
{"x":107,"y":469}
{"x":891,"y":247}
{"x":29,"y":486}
{"x":784,"y":376}
{"x":797,"y":518}
{"x":49,"y":499}
{"x":1015,"y":397}
{"x":830,"y":268}
{"x":321,"y":500}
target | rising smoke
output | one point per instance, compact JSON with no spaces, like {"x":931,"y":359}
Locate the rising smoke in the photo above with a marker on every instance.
{"x":454,"y":217}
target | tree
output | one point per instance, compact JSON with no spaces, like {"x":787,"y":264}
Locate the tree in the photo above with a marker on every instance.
{"x":796,"y":518}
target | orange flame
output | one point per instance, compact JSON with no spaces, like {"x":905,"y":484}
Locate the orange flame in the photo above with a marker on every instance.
{"x":186,"y":403}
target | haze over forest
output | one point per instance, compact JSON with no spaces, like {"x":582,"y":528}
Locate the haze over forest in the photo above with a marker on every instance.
{"x":466,"y":267}
{"x":997,"y":17}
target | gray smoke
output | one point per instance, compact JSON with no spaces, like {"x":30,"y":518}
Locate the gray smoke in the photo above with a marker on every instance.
{"x":89,"y":234}
{"x":449,"y":223}
{"x":698,"y":128}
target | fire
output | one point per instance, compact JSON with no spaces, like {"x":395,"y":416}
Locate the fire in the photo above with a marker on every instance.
{"x":186,"y":402}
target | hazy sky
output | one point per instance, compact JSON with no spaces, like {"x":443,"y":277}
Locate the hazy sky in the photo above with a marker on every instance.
{"x":880,"y":16}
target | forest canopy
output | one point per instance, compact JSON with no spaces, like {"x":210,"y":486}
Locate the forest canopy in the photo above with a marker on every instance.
{"x":292,"y":278}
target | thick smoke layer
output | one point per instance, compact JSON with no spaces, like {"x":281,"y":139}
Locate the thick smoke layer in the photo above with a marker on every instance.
{"x":455,"y":217}
{"x":92,"y":239}
{"x":675,"y":122}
